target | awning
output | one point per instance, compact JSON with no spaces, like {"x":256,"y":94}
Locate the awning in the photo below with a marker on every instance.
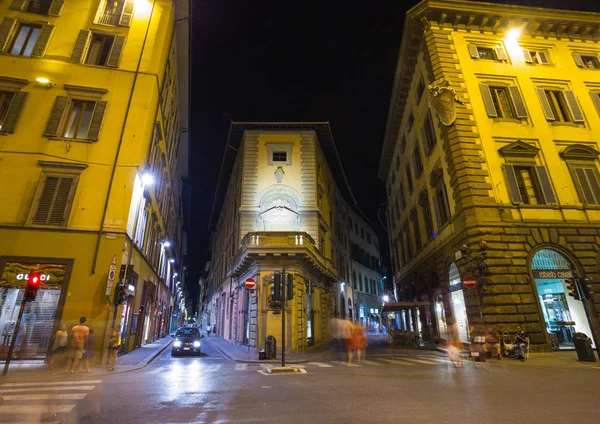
{"x":400,"y":306}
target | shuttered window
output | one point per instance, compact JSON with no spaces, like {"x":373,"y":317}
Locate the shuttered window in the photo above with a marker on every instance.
{"x":115,"y":12}
{"x":100,"y":49}
{"x":417,"y":161}
{"x":420,"y":89}
{"x":441,"y":206}
{"x":414,"y":218}
{"x":587,"y":60}
{"x":426,"y":209}
{"x":529,"y":185}
{"x":53,"y":200}
{"x":560,"y":105}
{"x":589,"y":185}
{"x":503,"y":102}
{"x":75,"y":119}
{"x":428,"y":134}
{"x":536,"y":57}
{"x":487,"y":53}
{"x":409,"y":181}
{"x":410,"y":122}
{"x":24,"y":39}
{"x":11,"y":105}
{"x":596,"y":100}
{"x":41,"y":7}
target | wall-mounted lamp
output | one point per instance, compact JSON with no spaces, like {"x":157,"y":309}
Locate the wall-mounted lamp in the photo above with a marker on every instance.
{"x":44,"y":82}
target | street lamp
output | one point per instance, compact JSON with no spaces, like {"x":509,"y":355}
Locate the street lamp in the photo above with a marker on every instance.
{"x":166,"y":244}
{"x":386,"y":298}
{"x":172,"y":260}
{"x":147,"y":179}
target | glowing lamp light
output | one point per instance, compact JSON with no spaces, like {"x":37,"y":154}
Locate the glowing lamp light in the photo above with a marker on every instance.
{"x":142,"y":7}
{"x":44,"y":82}
{"x":172,"y":260}
{"x":513,"y":34}
{"x":147,"y":179}
{"x":175,"y":274}
{"x":167,"y":244}
{"x":386,"y":298}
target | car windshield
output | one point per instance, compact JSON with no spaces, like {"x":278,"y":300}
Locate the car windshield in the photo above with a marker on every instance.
{"x":186,"y":332}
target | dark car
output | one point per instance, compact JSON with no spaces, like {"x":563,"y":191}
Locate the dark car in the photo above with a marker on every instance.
{"x":187,"y":340}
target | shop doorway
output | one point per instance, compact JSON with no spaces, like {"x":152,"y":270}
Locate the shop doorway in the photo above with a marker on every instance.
{"x":440,"y":315}
{"x":457,"y":303}
{"x":342,"y":307}
{"x":563,"y":315}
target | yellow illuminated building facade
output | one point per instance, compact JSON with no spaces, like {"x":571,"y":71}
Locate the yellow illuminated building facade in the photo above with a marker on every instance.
{"x":91,"y":118}
{"x":282,"y":203}
{"x":490,"y":160}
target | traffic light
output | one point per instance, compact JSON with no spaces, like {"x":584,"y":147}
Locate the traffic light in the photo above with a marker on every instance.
{"x":33,"y":284}
{"x":573,"y":288}
{"x":586,"y":291}
{"x":289,"y":290}
{"x":277,"y":286}
{"x":119,"y":294}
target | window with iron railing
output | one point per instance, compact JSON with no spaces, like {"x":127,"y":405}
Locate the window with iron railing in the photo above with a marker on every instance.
{"x":39,"y":6}
{"x":115,"y":13}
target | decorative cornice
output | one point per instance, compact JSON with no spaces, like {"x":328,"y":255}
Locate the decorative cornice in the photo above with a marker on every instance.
{"x":519,"y":149}
{"x":62,"y":165}
{"x":90,"y":91}
{"x":579,"y":152}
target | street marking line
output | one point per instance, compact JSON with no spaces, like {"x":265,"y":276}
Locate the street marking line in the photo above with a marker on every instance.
{"x":320,"y":364}
{"x":156,"y":371}
{"x":266,"y":372}
{"x":346,"y":364}
{"x":241,"y":367}
{"x":364,"y":361}
{"x":47,"y":396}
{"x":420,"y":361}
{"x":36,"y":409}
{"x":212,"y":368}
{"x":396,"y":362}
{"x":48,"y":388}
{"x":55,"y":383}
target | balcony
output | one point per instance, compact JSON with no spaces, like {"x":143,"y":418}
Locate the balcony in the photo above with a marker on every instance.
{"x":281,"y":244}
{"x":107,"y":18}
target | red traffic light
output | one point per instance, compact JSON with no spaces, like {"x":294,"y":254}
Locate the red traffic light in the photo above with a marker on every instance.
{"x":34,"y":280}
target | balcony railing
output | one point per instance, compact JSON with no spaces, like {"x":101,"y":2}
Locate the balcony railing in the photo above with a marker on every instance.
{"x":40,"y":7}
{"x":108,"y":19}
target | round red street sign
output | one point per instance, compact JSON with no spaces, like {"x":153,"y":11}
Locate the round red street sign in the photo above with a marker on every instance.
{"x":250,"y":283}
{"x":469,"y":282}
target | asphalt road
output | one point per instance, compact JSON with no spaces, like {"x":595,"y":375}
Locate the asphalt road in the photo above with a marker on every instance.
{"x":391,"y":387}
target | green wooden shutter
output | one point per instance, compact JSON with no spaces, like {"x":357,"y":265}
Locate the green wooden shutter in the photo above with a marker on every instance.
{"x":574,"y":108}
{"x":14,"y":110}
{"x":511,"y":182}
{"x":473,"y":52}
{"x":42,"y":42}
{"x":56,"y":7}
{"x":46,"y":199}
{"x":585,"y":187}
{"x":578,"y":60}
{"x":62,"y":202}
{"x":527,"y":56}
{"x":80,"y":47}
{"x":6,"y":29}
{"x":543,"y":58}
{"x":545,"y":104}
{"x":518,"y":102}
{"x":127,"y":14}
{"x":56,"y":116}
{"x":96,"y":122}
{"x":500,"y":53}
{"x":115,"y":52}
{"x":18,"y":4}
{"x":488,"y":100}
{"x":593,"y":180}
{"x":545,"y":184}
{"x":596,"y":100}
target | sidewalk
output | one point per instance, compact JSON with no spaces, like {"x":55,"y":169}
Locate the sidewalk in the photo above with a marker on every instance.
{"x":242,"y":354}
{"x":132,"y":361}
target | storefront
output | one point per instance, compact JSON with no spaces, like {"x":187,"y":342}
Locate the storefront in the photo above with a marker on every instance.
{"x":563,"y":315}
{"x":440,"y":314}
{"x":41,"y":318}
{"x":457,"y":303}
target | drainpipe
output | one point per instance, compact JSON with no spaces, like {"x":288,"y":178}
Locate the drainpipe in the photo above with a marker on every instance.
{"x":114,"y":167}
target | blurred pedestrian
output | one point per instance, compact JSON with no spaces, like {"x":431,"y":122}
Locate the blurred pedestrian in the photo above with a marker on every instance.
{"x":113,"y":347}
{"x":88,"y":353}
{"x":455,"y":346}
{"x":59,"y":348}
{"x":79,"y":336}
{"x":350,"y":340}
{"x":360,"y":341}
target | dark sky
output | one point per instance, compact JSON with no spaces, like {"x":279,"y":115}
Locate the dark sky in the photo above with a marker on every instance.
{"x":290,"y":61}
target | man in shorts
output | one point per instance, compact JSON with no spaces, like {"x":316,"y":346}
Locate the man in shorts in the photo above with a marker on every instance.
{"x":492,"y":341}
{"x":79,"y":338}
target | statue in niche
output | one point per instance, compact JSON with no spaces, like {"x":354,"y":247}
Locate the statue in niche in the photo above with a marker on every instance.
{"x":279,"y":173}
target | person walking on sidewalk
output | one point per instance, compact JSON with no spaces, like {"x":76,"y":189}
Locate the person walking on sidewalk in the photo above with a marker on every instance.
{"x":113,"y":347}
{"x":59,"y":349}
{"x":79,"y":338}
{"x":89,"y":351}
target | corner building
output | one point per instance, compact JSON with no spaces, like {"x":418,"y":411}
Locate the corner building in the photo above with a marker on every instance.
{"x":281,"y":203}
{"x":491,"y":151}
{"x":90,"y":170}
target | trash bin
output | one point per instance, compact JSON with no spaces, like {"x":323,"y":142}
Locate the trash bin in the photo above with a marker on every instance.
{"x":583,"y":346}
{"x":270,"y":347}
{"x":262,"y":355}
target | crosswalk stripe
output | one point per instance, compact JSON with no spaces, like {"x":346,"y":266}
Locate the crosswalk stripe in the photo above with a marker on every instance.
{"x":420,"y":361}
{"x":364,"y":361}
{"x":347,"y":364}
{"x":395,"y":361}
{"x":55,"y":383}
{"x":47,"y":388}
{"x":320,"y":364}
{"x":35,"y":409}
{"x":241,"y":367}
{"x":156,"y":371}
{"x":46,"y":396}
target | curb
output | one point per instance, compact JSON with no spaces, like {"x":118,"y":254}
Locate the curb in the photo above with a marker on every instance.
{"x":145,"y":361}
{"x":269,"y":361}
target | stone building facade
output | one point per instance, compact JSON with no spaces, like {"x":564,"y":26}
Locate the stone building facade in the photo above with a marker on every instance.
{"x":491,"y":164}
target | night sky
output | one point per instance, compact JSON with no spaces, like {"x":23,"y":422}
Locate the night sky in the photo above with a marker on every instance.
{"x":292,"y":61}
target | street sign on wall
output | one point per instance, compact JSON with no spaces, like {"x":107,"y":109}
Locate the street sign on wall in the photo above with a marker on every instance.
{"x":469,"y":282}
{"x":250,"y":283}
{"x":112,"y":270}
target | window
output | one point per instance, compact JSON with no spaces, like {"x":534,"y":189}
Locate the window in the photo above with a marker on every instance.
{"x":529,"y":184}
{"x":115,"y":12}
{"x":596,"y":100}
{"x":428,"y":134}
{"x":440,"y":202}
{"x":53,"y":199}
{"x":96,"y":48}
{"x":587,"y":60}
{"x":368,"y":237}
{"x":5,"y":100}
{"x":409,"y":180}
{"x":426,"y":209}
{"x":401,"y":196}
{"x":75,"y":119}
{"x":408,"y":247}
{"x":589,"y":185}
{"x":39,"y":6}
{"x":397,"y":162}
{"x":11,"y":104}
{"x":560,"y":105}
{"x":411,"y":121}
{"x":487,"y":53}
{"x":362,"y":233}
{"x":536,"y":57}
{"x":25,"y":39}
{"x":397,"y":211}
{"x":420,"y":90}
{"x":417,"y":162}
{"x":279,"y":156}
{"x":360,"y":282}
{"x":503,"y":102}
{"x":354,"y":283}
{"x":414,"y":219}
{"x":402,"y":145}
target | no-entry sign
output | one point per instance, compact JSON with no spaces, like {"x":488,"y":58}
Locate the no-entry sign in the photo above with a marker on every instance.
{"x":250,"y":283}
{"x":469,"y":282}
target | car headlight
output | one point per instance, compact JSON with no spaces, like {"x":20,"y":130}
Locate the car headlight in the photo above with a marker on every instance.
{"x":177,"y":343}
{"x":196,"y":343}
